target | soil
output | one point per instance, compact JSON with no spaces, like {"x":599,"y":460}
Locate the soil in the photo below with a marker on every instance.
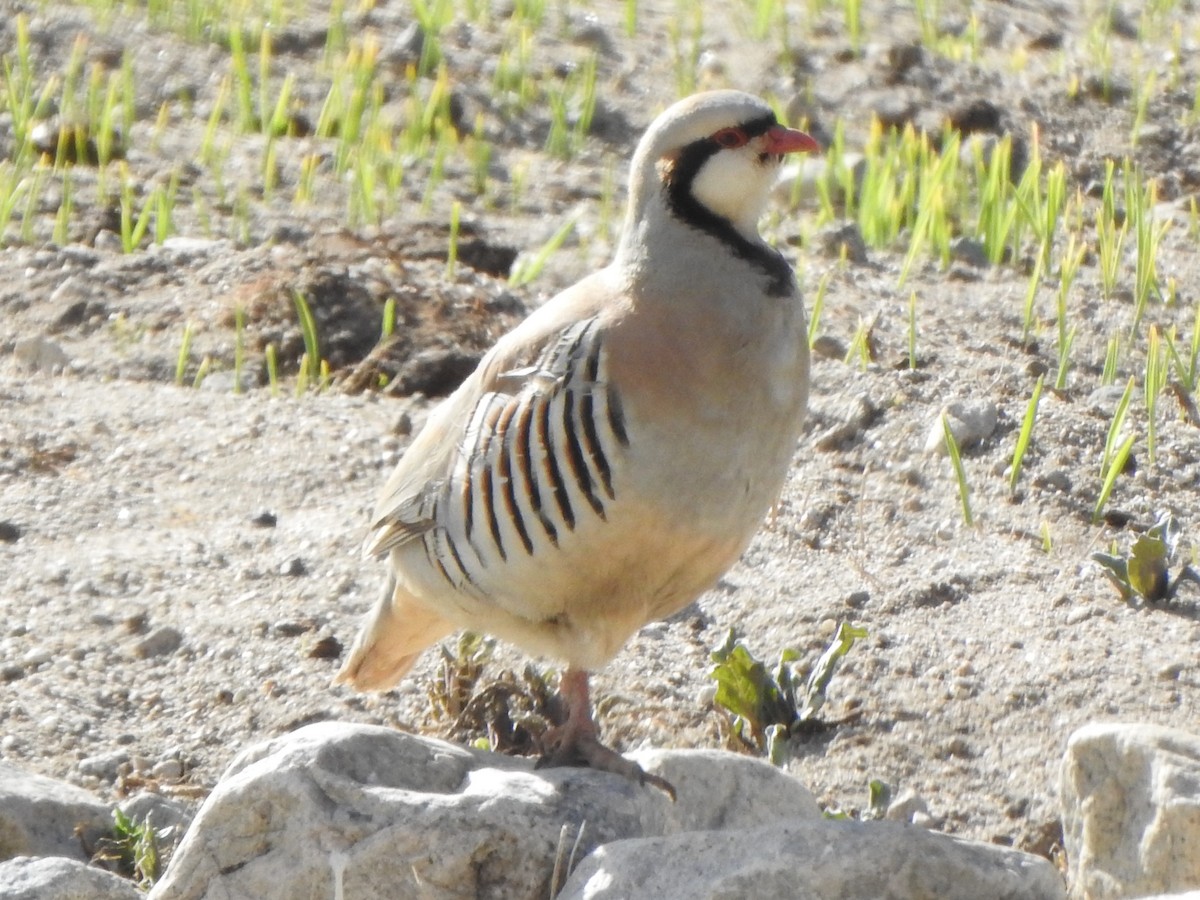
{"x":180,"y":565}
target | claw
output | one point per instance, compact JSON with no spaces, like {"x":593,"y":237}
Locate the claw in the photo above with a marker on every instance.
{"x":576,"y":741}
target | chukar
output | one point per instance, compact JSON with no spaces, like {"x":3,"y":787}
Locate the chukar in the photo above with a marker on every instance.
{"x":614,"y":454}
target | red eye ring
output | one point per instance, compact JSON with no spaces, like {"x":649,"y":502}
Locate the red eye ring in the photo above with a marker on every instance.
{"x":730,"y":138}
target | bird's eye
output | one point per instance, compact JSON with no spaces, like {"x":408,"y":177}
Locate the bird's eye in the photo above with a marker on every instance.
{"x":730,"y":138}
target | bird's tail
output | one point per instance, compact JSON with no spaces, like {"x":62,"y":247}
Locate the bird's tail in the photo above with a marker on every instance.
{"x":391,"y":639}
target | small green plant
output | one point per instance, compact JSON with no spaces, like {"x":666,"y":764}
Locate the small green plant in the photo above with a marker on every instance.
{"x":1025,"y":436}
{"x":1068,"y":268}
{"x":862,"y":345}
{"x":389,"y":318}
{"x":767,"y":708}
{"x":817,"y":307}
{"x":912,"y":330}
{"x":272,"y":369}
{"x":960,"y":473}
{"x":1144,"y":572}
{"x":528,"y":268}
{"x":131,"y":850}
{"x":185,"y":354}
{"x":310,"y":365}
{"x":239,"y":346}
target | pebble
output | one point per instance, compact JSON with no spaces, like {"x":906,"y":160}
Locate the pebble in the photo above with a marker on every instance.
{"x":265,"y":519}
{"x":906,"y":806}
{"x":105,"y":766}
{"x":159,"y":642}
{"x":971,"y":422}
{"x":39,"y":354}
{"x":168,"y":770}
{"x":293,"y":568}
{"x":1079,"y":614}
{"x":969,"y":251}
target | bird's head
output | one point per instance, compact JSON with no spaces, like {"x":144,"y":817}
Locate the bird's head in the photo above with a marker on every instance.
{"x":713,"y":158}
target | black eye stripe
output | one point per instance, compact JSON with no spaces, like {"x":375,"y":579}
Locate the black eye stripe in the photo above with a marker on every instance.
{"x":761,"y":125}
{"x":745,"y":132}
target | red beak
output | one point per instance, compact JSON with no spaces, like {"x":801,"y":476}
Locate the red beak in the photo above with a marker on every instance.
{"x":780,"y":140}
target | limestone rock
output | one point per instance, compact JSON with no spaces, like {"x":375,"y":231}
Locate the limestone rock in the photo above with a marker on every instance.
{"x":1131,"y":810}
{"x":816,"y":859}
{"x":59,"y":878}
{"x":39,"y":816}
{"x":336,"y":810}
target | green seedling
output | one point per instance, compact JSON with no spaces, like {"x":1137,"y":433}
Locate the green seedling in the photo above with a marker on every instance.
{"x":310,"y":365}
{"x":912,"y":330}
{"x":1068,"y":268}
{"x":389,"y":318}
{"x":1112,"y":360}
{"x":452,"y":251}
{"x":818,"y":307}
{"x":239,"y":346}
{"x":1035,"y":281}
{"x":202,"y":371}
{"x":1110,"y":238}
{"x":1109,"y":475}
{"x":852,"y":10}
{"x":527,"y":269}
{"x":1025,"y":435}
{"x":1143,"y":574}
{"x":768,"y":708}
{"x":1147,"y":236}
{"x":860,"y":348}
{"x":1186,"y":365}
{"x":1115,"y":426}
{"x":1153,"y":384}
{"x":272,"y":369}
{"x":183,"y":357}
{"x":62,"y":219}
{"x":960,"y":474}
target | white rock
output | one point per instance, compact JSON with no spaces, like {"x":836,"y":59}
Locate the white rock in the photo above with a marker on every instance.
{"x":39,"y":354}
{"x":819,"y":859}
{"x":971,"y":421}
{"x":59,"y":878}
{"x":1131,"y":810}
{"x":38,"y":816}
{"x":335,"y":810}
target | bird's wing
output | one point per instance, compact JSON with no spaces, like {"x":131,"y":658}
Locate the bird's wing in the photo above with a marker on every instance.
{"x":537,"y":357}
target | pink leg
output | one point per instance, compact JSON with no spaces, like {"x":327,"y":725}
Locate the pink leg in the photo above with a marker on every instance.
{"x":576,"y":742}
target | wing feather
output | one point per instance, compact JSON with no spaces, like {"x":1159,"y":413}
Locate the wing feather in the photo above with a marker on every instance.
{"x":531,"y":359}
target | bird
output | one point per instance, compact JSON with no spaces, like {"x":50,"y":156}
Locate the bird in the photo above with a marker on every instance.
{"x":612,"y":455}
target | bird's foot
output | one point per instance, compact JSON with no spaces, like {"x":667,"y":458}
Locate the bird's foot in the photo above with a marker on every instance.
{"x":585,"y":750}
{"x":574,"y":739}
